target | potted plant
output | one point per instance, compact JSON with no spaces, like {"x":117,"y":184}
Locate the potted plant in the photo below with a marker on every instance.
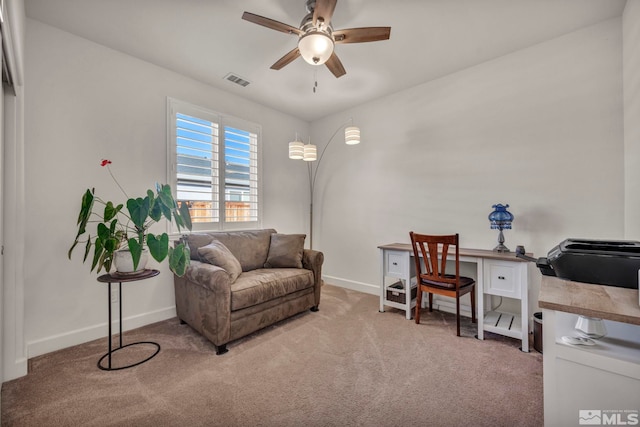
{"x":118,"y":230}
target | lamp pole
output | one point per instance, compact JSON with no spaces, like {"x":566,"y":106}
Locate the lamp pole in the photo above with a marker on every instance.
{"x":297,"y":150}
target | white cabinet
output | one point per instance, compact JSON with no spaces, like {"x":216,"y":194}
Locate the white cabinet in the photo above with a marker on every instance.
{"x":502,"y":278}
{"x":396,"y":263}
{"x":506,"y":279}
{"x":590,"y":383}
{"x":603,"y":378}
{"x":398,"y":270}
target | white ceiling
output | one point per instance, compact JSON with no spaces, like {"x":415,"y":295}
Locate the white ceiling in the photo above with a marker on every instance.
{"x":206,"y":39}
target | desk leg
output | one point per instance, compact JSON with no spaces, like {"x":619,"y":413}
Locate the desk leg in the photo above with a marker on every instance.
{"x":407,"y":295}
{"x":407,"y":285}
{"x":480,"y":297}
{"x":382,"y":295}
{"x":524,"y":306}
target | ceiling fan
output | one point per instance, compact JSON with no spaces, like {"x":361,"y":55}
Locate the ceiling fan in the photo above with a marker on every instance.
{"x":316,"y":36}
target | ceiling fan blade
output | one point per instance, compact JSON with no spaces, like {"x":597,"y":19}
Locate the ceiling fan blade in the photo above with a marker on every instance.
{"x":361,"y":35}
{"x":270,"y":23}
{"x":286,"y":59}
{"x":324,"y":10}
{"x":335,"y":66}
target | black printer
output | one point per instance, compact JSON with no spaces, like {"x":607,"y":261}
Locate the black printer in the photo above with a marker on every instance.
{"x":603,"y":262}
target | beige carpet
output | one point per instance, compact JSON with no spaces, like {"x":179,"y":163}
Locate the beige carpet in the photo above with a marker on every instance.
{"x":346,"y":365}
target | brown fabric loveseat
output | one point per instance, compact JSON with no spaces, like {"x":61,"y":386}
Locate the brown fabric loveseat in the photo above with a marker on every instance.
{"x":241,"y":281}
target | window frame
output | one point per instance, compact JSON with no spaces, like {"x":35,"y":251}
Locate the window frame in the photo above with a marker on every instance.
{"x":175,"y":106}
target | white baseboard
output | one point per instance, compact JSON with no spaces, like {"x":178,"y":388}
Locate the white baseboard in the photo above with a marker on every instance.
{"x":367,"y":288}
{"x":80,"y":336}
{"x":16,"y":370}
{"x":450,"y":306}
{"x":438,"y":304}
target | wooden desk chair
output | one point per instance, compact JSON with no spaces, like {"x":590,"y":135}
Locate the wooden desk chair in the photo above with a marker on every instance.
{"x":431,"y":273}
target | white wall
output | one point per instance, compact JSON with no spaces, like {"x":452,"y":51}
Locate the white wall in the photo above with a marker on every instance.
{"x":85,"y":102}
{"x":14,"y":356}
{"x":540,"y":129}
{"x":2,"y":299}
{"x":631,"y":79}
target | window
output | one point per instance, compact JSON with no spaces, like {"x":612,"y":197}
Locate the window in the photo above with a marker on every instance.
{"x":214,"y":167}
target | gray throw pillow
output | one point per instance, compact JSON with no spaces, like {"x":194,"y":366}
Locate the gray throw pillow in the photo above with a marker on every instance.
{"x":218,"y":254}
{"x":285,"y":251}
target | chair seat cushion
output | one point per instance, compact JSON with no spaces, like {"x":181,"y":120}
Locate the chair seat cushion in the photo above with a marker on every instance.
{"x":464,"y":282}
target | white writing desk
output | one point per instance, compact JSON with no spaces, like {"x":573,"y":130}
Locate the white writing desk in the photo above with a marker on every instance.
{"x":497,"y":273}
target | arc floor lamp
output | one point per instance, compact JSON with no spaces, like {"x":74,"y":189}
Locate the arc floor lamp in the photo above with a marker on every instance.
{"x":309,"y":153}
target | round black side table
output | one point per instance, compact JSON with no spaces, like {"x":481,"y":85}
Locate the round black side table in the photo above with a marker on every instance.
{"x":120,"y":278}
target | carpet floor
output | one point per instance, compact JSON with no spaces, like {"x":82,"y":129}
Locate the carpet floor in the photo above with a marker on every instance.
{"x":346,"y":365}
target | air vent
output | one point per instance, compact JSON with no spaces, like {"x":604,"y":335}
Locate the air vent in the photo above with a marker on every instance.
{"x":237,"y":79}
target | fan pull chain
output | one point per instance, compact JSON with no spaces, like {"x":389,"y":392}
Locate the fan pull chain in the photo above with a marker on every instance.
{"x":315,"y":79}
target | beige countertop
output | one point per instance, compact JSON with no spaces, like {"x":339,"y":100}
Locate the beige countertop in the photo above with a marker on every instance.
{"x":605,"y":302}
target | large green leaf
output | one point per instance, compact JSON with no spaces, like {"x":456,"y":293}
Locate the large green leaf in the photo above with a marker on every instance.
{"x":156,"y":207}
{"x":87,"y":249}
{"x":111,"y":211}
{"x":165,"y":195}
{"x":97,"y":254}
{"x":136,"y":251}
{"x":103,"y":232}
{"x":158,"y":246}
{"x":112,"y":228}
{"x":138,"y":211}
{"x":85,"y":212}
{"x":152,"y":197}
{"x":179,"y":259}
{"x":106,"y":262}
{"x":111,"y":244}
{"x":166,"y":210}
{"x":168,"y":204}
{"x":185,"y":214}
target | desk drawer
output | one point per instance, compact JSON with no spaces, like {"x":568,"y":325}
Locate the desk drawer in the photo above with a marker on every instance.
{"x":502,"y":278}
{"x":396,"y":263}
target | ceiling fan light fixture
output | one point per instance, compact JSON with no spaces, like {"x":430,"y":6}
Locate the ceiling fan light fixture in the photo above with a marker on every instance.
{"x":316,"y":36}
{"x":316,"y":47}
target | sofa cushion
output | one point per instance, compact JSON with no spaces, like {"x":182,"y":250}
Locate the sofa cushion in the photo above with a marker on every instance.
{"x":261,"y":285}
{"x":250,"y":247}
{"x":218,"y":254}
{"x":196,"y":241}
{"x":285,"y":251}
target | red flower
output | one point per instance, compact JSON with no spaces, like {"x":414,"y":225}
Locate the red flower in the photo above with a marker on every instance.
{"x":105,"y":162}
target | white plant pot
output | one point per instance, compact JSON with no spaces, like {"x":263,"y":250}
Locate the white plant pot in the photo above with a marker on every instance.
{"x":123,"y":261}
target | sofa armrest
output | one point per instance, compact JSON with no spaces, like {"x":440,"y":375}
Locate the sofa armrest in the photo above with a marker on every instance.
{"x":312,"y":260}
{"x":203,"y":300}
{"x":209,"y":276}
